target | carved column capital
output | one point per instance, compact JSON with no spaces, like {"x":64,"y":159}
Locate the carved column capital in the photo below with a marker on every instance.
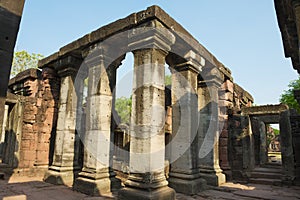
{"x":191,"y":61}
{"x":67,"y":66}
{"x":211,"y":78}
{"x":150,"y":36}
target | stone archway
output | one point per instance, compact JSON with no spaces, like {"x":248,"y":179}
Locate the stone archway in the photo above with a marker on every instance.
{"x":270,"y":114}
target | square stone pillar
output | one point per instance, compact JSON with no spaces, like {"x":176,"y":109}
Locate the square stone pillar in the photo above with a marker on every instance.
{"x":46,"y":116}
{"x":184,"y":173}
{"x":147,"y":143}
{"x":208,"y":131}
{"x":263,"y":153}
{"x":97,"y":178}
{"x":288,"y":153}
{"x":65,"y":164}
{"x":2,"y":134}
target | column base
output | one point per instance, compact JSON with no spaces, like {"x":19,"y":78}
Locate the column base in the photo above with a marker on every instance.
{"x":104,"y":184}
{"x":61,"y":175}
{"x":228,"y":174}
{"x":187,"y":184}
{"x":164,"y":193}
{"x":213,"y":177}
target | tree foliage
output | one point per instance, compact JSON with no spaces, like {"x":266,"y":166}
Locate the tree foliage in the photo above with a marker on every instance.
{"x":287,"y":97}
{"x":23,"y":60}
{"x":168,"y":80}
{"x":123,"y":107}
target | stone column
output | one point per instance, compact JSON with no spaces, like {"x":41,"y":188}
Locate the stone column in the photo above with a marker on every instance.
{"x":184,"y":173}
{"x":147,"y":144}
{"x":65,"y":160}
{"x":2,"y":134}
{"x":97,"y":178}
{"x":263,"y":150}
{"x":287,"y":151}
{"x":208,"y":138}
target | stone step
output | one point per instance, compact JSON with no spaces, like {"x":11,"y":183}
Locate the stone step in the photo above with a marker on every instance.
{"x":264,"y":181}
{"x":273,"y":165}
{"x":267,"y":170}
{"x":266,"y":175}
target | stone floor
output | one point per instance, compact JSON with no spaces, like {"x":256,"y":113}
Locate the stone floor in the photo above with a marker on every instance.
{"x":26,"y":188}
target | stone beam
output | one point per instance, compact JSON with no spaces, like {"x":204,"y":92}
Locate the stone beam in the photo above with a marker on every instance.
{"x":270,"y":119}
{"x":184,"y":40}
{"x":264,"y":110}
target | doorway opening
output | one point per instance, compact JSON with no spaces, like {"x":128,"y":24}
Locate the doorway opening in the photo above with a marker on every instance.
{"x":274,"y":144}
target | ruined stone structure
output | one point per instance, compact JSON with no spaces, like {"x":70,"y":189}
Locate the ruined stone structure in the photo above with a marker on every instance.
{"x":30,"y":121}
{"x":208,"y":120}
{"x":288,"y":12}
{"x":10,"y":17}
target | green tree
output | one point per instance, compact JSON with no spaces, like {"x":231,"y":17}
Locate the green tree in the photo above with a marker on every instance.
{"x":23,"y":60}
{"x":168,"y":80}
{"x":276,"y":131}
{"x":123,"y":107}
{"x":287,"y":97}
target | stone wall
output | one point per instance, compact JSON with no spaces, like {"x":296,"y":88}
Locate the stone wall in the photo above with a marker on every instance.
{"x":232,"y":98}
{"x":295,"y":125}
{"x":38,"y":98}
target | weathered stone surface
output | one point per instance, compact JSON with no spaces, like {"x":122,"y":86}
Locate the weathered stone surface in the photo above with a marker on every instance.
{"x":164,"y":193}
{"x":208,"y":132}
{"x":10,"y":17}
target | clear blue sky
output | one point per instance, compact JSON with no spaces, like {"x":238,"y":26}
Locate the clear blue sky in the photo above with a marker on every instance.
{"x":242,"y":34}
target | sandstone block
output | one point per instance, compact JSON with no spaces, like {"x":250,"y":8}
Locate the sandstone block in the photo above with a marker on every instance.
{"x":228,"y":86}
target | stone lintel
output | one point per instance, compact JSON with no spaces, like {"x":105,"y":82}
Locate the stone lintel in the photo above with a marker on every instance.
{"x":270,"y":119}
{"x":264,"y":110}
{"x":127,"y":23}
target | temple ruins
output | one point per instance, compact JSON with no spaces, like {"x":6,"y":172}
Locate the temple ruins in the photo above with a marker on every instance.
{"x":201,"y":131}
